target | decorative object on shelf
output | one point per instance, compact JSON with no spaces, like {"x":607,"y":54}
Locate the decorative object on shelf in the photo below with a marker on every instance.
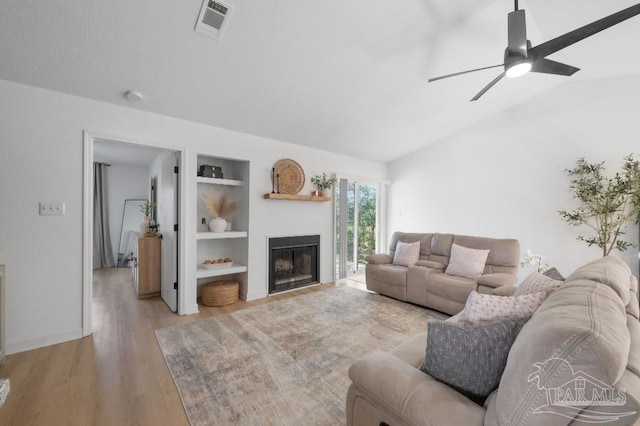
{"x":323,"y":183}
{"x":606,"y":204}
{"x":146,"y":208}
{"x":217,"y":263}
{"x":221,"y":208}
{"x":210,"y":171}
{"x":289,"y":176}
{"x":534,"y":259}
{"x":274,"y":187}
{"x":152,"y":229}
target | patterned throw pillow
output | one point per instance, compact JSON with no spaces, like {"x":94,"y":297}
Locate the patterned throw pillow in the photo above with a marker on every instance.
{"x":470,"y":358}
{"x":537,"y":282}
{"x":407,"y":254}
{"x":487,"y":307}
{"x":466,"y":262}
{"x":553,"y":273}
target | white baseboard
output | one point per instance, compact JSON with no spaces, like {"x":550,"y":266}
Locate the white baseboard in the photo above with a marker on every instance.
{"x":191,"y":309}
{"x":255,"y":295}
{"x":27,"y":345}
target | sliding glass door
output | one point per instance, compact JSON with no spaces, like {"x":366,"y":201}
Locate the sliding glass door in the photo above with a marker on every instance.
{"x":357,"y":226}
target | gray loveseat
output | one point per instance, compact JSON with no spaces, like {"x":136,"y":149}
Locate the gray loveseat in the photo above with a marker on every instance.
{"x":427,"y":284}
{"x":584,"y":338}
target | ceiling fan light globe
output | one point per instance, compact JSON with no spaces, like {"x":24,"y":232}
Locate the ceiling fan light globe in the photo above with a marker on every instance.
{"x":518,"y":69}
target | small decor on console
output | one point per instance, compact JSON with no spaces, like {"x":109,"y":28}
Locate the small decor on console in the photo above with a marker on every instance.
{"x":323,"y":183}
{"x":146,"y":208}
{"x":221,"y":208}
{"x":534,"y":259}
{"x":152,"y":229}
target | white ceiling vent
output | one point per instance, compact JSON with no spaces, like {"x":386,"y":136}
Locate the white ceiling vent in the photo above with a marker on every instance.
{"x":213,"y":18}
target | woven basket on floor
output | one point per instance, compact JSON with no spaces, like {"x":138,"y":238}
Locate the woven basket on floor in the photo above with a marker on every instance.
{"x":220,"y":293}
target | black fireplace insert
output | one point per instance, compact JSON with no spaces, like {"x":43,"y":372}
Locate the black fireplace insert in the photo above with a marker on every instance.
{"x":293,"y":262}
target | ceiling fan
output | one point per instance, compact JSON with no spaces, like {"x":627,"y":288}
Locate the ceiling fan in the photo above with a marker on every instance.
{"x":520,"y":57}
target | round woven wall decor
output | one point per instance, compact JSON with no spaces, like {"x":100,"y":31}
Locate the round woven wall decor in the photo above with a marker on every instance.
{"x":290,"y":176}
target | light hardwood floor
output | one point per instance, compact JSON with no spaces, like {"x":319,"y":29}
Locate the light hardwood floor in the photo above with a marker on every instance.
{"x":118,"y":375}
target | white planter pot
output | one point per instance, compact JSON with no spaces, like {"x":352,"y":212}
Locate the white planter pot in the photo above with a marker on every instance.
{"x":325,"y":192}
{"x":217,"y":224}
{"x":144,"y":226}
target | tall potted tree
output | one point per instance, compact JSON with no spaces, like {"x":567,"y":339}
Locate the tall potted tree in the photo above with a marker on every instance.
{"x":606,"y":205}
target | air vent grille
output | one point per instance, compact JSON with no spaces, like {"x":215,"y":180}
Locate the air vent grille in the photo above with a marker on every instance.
{"x":212,"y":19}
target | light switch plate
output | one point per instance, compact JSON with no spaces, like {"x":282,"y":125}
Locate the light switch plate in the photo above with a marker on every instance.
{"x":51,"y":208}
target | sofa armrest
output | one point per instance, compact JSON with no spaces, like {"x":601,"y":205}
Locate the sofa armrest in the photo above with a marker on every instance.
{"x":497,"y":280}
{"x":430,"y":264}
{"x":505,"y":290}
{"x":379,"y":258}
{"x":411,"y":394}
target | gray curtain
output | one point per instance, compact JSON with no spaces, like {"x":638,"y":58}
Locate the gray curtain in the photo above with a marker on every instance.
{"x":102,"y":250}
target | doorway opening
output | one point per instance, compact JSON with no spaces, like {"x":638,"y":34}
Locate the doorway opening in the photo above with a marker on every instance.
{"x":136,"y":175}
{"x":358,"y":226}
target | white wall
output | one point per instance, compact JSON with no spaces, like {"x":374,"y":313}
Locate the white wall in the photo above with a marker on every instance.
{"x":42,"y":160}
{"x":504,"y":177}
{"x":123,"y":182}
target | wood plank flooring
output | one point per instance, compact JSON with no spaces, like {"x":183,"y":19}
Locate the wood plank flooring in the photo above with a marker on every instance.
{"x":118,"y":375}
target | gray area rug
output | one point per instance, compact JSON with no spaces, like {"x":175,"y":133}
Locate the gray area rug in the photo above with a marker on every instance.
{"x":285,"y":362}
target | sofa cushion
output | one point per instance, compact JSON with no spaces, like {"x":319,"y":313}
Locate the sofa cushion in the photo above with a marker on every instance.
{"x":466,"y":262}
{"x":504,"y":255}
{"x":430,"y":264}
{"x":379,"y":259}
{"x":451,"y":287}
{"x":470,"y":358}
{"x":581,"y":327}
{"x":406,"y":254}
{"x":613,"y":273}
{"x":536,"y":282}
{"x":411,"y":237}
{"x":497,"y":280}
{"x":487,"y":307}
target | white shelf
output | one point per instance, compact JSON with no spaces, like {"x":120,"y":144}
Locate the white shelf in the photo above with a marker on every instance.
{"x":236,"y":268}
{"x":220,"y":235}
{"x":216,"y":181}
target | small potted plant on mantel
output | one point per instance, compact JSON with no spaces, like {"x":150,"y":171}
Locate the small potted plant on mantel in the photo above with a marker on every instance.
{"x":323,"y":183}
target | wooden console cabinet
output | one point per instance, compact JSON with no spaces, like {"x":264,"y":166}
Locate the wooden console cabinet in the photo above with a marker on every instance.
{"x":146,"y":266}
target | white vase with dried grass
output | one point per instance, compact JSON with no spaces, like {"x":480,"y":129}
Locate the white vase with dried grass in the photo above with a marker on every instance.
{"x":221,"y":208}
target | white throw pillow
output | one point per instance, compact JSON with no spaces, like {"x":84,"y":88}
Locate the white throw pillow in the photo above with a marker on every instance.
{"x":407,"y":254}
{"x":536,"y":282}
{"x":466,"y":262}
{"x":487,"y":307}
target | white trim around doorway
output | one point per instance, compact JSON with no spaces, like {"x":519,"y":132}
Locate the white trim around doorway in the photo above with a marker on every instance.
{"x":87,"y":224}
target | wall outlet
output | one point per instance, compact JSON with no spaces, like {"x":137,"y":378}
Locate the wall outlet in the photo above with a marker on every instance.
{"x":51,"y":209}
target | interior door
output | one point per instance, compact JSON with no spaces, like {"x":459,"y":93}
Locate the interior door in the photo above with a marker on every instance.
{"x":168,"y":205}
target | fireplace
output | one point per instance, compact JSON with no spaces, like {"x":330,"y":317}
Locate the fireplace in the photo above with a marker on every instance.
{"x":293,"y":262}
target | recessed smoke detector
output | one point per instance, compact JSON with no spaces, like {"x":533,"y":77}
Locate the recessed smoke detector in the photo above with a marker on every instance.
{"x":133,"y":96}
{"x":213,"y":18}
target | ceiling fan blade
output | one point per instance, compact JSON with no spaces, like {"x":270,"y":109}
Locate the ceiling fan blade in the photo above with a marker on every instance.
{"x":487,"y":87}
{"x":463,"y":72}
{"x":547,"y":66}
{"x":558,"y":43}
{"x":517,"y":33}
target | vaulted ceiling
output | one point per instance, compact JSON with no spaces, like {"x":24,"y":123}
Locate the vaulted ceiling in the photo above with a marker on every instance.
{"x":343,"y":76}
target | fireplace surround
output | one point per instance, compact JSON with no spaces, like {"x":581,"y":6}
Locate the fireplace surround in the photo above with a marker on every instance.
{"x":293,"y":262}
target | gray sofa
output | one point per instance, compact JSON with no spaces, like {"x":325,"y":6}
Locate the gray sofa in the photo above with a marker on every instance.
{"x":427,"y":285}
{"x":586,"y":334}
